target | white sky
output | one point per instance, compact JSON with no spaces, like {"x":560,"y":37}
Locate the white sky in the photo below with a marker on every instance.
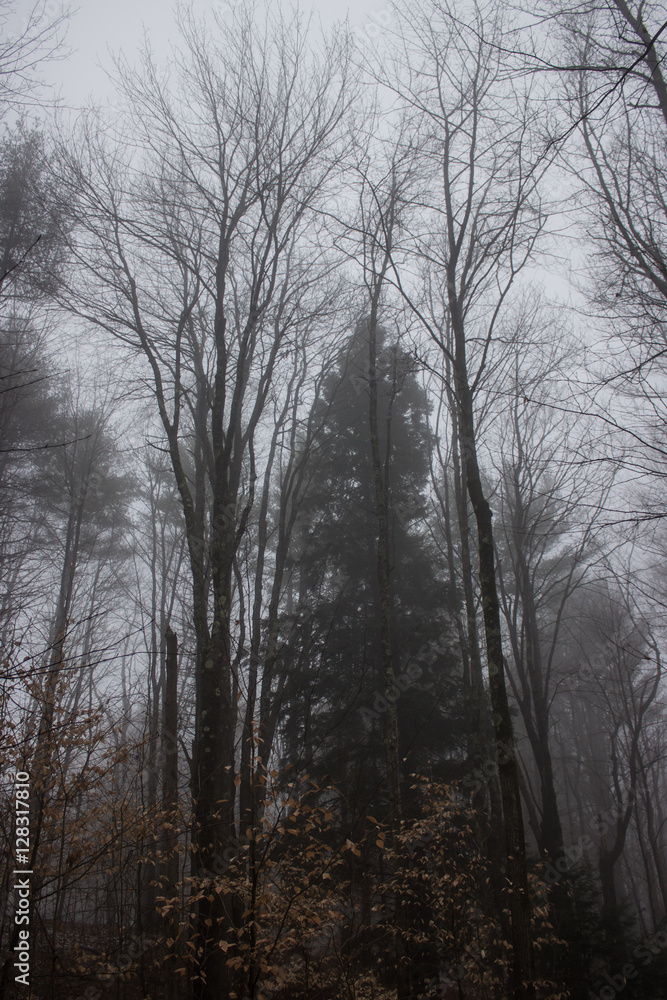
{"x":101,"y":27}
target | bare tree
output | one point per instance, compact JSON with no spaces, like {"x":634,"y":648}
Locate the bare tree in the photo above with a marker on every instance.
{"x":30,"y":38}
{"x":480,"y":231}
{"x":551,"y":497}
{"x":618,"y":681}
{"x":80,"y":502}
{"x":199,"y":252}
{"x":611,"y":132}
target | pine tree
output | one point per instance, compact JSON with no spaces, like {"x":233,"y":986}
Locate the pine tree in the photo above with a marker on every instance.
{"x":333,"y":718}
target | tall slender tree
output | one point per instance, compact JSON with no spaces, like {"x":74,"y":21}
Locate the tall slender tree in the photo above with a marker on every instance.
{"x":481,"y":231}
{"x":195,"y":254}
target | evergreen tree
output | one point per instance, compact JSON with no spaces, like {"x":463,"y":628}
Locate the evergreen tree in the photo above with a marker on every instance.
{"x":33,"y":216}
{"x":333,"y":717}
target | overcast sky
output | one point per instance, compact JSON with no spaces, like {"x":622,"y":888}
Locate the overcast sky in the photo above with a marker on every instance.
{"x":100,"y":27}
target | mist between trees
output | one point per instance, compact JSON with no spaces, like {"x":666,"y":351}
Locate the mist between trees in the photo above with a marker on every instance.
{"x":331,"y":539}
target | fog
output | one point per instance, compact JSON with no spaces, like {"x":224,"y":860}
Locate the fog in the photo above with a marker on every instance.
{"x":332,"y":463}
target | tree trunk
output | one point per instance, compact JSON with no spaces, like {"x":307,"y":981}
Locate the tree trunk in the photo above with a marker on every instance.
{"x":213,"y":764}
{"x":170,"y":810}
{"x":381,"y":494}
{"x":519,"y":900}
